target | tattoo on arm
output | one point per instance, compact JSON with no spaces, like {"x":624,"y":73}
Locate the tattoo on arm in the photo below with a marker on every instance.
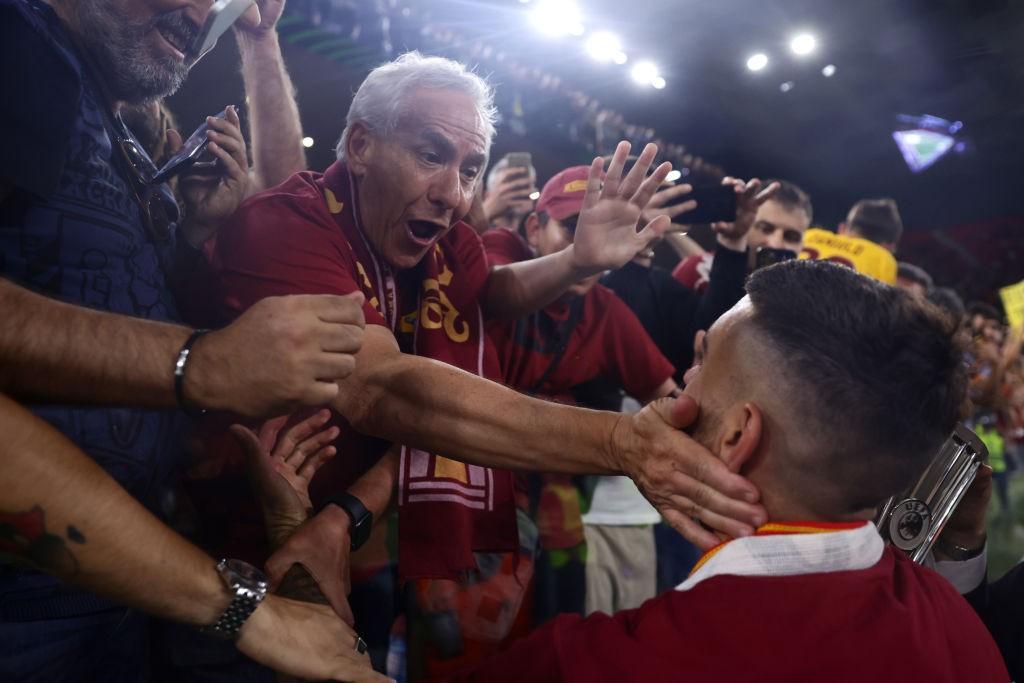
{"x":24,"y":539}
{"x":298,"y":584}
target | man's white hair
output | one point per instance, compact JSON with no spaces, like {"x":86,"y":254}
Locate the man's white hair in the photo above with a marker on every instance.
{"x":382,"y":99}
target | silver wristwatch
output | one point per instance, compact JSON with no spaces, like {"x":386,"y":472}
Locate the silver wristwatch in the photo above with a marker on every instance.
{"x":248,"y":585}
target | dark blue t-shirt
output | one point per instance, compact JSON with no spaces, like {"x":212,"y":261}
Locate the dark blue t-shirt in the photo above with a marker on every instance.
{"x":71,"y":229}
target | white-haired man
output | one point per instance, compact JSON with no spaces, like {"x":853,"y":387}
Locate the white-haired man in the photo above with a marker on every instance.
{"x":385,"y":220}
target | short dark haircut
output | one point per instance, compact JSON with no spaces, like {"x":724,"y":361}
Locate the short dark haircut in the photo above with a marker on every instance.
{"x":876,"y":375}
{"x":908,"y":271}
{"x":877,"y":220}
{"x":949,"y":301}
{"x":791,"y":196}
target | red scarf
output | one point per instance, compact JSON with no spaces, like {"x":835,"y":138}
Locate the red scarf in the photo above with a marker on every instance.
{"x":447,"y":509}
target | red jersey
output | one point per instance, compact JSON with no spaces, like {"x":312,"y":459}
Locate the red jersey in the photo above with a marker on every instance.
{"x":695,"y":271}
{"x":606,"y":341}
{"x":893,"y":621}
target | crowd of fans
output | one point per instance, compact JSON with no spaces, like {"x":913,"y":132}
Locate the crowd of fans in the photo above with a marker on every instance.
{"x":447,"y":431}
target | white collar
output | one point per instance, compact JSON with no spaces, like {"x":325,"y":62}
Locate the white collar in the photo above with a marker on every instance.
{"x":793,"y":554}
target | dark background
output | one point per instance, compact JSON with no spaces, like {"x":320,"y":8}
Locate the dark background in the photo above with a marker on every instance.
{"x":958,"y":59}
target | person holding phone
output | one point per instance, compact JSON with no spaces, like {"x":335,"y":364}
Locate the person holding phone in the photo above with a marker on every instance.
{"x":779,"y":223}
{"x":510,"y":183}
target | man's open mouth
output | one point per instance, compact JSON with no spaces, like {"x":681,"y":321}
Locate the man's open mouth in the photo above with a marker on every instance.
{"x":425,"y":231}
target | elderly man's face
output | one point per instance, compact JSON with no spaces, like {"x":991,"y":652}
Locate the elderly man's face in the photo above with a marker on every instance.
{"x":417,"y":182}
{"x":140,"y":44}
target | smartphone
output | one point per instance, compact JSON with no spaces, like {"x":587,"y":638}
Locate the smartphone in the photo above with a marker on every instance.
{"x":222,"y":15}
{"x":519,"y":160}
{"x":715,"y":203}
{"x":767,"y":256}
{"x":189,"y":153}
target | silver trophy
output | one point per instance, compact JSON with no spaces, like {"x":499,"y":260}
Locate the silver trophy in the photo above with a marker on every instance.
{"x":913,"y":521}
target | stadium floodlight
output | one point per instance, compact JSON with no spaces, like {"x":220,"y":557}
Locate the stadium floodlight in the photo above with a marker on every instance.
{"x":803,"y":44}
{"x":604,"y":46}
{"x":307,"y":142}
{"x":828,"y":71}
{"x":557,"y":18}
{"x":757,"y":62}
{"x":644,"y":73}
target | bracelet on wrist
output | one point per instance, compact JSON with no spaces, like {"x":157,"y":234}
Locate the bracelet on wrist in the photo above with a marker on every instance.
{"x":179,"y":374}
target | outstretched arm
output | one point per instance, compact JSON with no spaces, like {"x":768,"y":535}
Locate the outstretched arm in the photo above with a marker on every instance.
{"x":606,"y":237}
{"x":274,"y":126}
{"x":281,"y":353}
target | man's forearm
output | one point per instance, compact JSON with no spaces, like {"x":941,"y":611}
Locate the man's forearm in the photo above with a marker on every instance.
{"x":52,"y":351}
{"x":275,"y":129}
{"x":67,"y":517}
{"x":518,"y":289}
{"x":434,"y":406}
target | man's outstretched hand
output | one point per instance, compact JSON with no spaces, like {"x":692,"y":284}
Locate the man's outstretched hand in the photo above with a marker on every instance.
{"x":686,"y":483}
{"x":606,"y":232}
{"x":281,"y":466}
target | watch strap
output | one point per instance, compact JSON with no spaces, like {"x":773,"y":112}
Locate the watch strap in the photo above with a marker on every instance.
{"x":361,"y":518}
{"x":246,"y":597}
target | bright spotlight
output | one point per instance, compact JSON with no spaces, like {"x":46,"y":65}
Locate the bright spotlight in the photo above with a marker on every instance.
{"x":644,"y":73}
{"x":787,"y":86}
{"x":557,"y":17}
{"x":534,"y":195}
{"x":673,"y":175}
{"x":803,"y":44}
{"x":604,"y":46}
{"x":829,"y":70}
{"x":307,"y":142}
{"x":658,"y":83}
{"x":620,"y":58}
{"x":757,"y":62}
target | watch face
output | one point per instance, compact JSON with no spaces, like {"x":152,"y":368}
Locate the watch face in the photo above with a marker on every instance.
{"x":245,"y":573}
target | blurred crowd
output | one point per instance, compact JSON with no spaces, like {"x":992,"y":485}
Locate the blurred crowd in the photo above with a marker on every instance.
{"x":445,"y":419}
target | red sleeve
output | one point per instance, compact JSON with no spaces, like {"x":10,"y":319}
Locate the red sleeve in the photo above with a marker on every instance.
{"x":471,"y":257}
{"x":630,"y":354}
{"x":686,"y":272}
{"x":283,"y":242}
{"x":504,"y":247}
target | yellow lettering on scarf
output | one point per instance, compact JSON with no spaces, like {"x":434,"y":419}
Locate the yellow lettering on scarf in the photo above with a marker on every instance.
{"x":450,"y":469}
{"x":333,"y":205}
{"x":437,"y":310}
{"x":374,"y":301}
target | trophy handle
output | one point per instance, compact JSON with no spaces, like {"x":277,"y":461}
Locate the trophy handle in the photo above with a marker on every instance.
{"x":914,"y":520}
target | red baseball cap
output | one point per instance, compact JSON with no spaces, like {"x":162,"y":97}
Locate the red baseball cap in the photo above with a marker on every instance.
{"x":562,"y":196}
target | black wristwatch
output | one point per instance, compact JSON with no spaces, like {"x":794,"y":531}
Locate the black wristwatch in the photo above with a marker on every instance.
{"x":248,"y":586}
{"x":362,"y":519}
